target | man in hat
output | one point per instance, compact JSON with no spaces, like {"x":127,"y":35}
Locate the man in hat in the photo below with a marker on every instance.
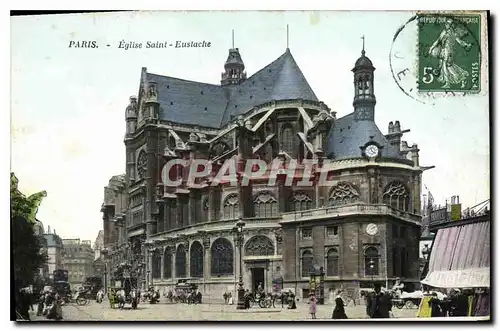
{"x":378,"y":303}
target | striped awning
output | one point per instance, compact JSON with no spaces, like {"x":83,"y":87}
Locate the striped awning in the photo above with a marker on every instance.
{"x":460,"y":257}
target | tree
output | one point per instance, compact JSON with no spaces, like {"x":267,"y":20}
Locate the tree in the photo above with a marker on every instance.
{"x":20,"y":205}
{"x":27,"y":253}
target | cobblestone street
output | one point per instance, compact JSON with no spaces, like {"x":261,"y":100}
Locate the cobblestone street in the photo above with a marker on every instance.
{"x":207,"y":312}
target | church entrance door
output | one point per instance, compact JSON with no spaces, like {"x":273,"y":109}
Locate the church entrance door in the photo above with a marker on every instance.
{"x":257,"y":278}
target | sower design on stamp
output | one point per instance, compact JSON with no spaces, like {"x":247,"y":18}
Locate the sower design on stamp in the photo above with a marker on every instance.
{"x":449,"y":53}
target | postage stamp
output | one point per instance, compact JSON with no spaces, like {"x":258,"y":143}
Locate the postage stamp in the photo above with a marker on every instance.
{"x":449,"y":53}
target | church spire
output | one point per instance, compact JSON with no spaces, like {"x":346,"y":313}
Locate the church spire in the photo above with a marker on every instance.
{"x":234,"y":68}
{"x":363,"y":50}
{"x":364,"y":95}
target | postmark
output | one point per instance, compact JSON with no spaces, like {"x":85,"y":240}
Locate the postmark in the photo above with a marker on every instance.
{"x":449,"y":53}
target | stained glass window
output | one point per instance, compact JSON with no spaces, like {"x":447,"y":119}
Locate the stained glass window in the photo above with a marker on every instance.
{"x":259,"y":246}
{"x":167,"y":264}
{"x":142,"y":165}
{"x":180,"y":262}
{"x":332,"y":262}
{"x":222,"y":258}
{"x":397,"y":196}
{"x":306,"y":263}
{"x":196,"y":260}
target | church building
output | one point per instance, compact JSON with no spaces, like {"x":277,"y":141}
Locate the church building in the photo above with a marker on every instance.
{"x":363,"y":227}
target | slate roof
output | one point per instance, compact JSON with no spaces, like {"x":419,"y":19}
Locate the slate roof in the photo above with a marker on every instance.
{"x":209,"y":105}
{"x":363,"y":62}
{"x":347,"y":135}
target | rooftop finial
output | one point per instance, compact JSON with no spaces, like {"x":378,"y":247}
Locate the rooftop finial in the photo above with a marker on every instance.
{"x":233,"y":38}
{"x":363,"y":50}
{"x":287,"y":36}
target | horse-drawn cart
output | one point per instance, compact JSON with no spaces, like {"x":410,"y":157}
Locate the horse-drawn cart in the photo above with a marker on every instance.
{"x":126,"y":291}
{"x":407,"y":300}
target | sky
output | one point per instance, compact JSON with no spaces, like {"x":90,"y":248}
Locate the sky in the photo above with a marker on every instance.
{"x":68,"y":104}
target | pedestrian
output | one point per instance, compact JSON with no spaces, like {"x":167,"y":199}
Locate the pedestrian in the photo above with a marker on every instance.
{"x":378,"y":303}
{"x":312,"y":305}
{"x":230,"y":299}
{"x":225,"y":297}
{"x":436,"y":306}
{"x":339,"y":311}
{"x":111,"y":297}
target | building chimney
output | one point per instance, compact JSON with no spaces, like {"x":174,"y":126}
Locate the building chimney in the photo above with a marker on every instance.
{"x":48,"y":229}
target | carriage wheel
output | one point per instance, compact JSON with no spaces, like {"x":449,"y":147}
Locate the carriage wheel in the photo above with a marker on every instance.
{"x":400,"y":304}
{"x":409,"y":304}
{"x":251,"y":303}
{"x":269,"y":303}
{"x":81,"y":301}
{"x":262,"y":303}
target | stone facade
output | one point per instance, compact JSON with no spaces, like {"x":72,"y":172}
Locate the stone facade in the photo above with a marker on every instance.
{"x":78,"y":258}
{"x":367,"y":215}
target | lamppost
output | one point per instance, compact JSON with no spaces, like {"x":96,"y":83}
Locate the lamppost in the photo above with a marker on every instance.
{"x":238,"y":236}
{"x":371,"y":265}
{"x":426,"y":251}
{"x":151,"y":251}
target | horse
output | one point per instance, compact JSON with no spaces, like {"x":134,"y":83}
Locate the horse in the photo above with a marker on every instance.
{"x":99,"y":296}
{"x":121,"y":298}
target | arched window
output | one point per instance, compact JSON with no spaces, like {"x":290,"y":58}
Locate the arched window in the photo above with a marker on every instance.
{"x":306,"y":263}
{"x":222,"y":258}
{"x":180,"y":262}
{"x":397,"y":196}
{"x":156,"y":264}
{"x":371,"y":261}
{"x":196,"y":260}
{"x":287,"y":140}
{"x":231,"y":206}
{"x":167,"y":263}
{"x":343,"y":193}
{"x":332,"y":262}
{"x":259,"y":246}
{"x":265,"y":205}
{"x":300,"y":201}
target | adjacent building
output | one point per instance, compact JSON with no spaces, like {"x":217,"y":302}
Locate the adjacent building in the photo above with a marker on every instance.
{"x":54,"y":252}
{"x":78,"y":259}
{"x":116,"y":248}
{"x":98,"y":264}
{"x":39,"y":231}
{"x":364,"y":226}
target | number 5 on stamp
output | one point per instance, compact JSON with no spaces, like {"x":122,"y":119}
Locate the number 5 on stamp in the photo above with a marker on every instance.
{"x":449,"y":54}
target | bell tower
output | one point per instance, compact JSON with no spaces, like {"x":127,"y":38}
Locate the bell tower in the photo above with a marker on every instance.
{"x":364,"y":95}
{"x":234,"y":68}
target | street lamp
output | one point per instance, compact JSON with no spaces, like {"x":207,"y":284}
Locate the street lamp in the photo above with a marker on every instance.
{"x":371,"y":265}
{"x":238,"y":238}
{"x":151,"y":253}
{"x":426,"y":251}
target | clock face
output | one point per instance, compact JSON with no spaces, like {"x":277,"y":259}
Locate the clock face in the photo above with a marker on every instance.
{"x":371,"y":229}
{"x":371,"y":151}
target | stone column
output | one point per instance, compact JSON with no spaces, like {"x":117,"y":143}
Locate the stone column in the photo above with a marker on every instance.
{"x":206,"y":257}
{"x":172,"y":256}
{"x":188,"y":259}
{"x":162,"y":250}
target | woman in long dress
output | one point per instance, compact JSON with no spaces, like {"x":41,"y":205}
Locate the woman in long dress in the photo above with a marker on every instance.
{"x":312,"y":305}
{"x":339,"y":311}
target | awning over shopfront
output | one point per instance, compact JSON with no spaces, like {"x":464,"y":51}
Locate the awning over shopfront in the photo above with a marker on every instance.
{"x":460,"y":257}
